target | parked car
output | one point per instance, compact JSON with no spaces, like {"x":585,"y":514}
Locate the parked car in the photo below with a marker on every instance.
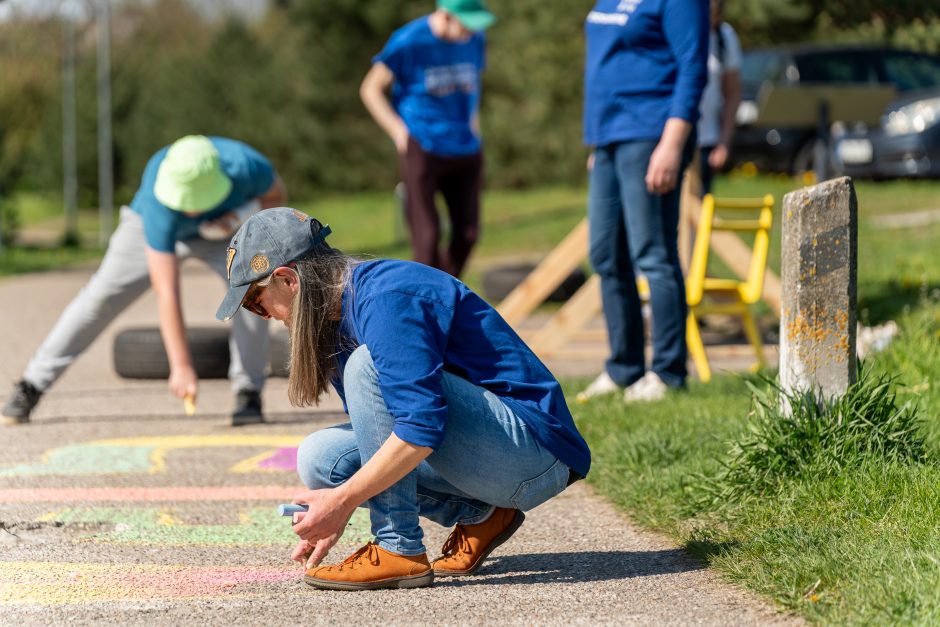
{"x":905,"y":144}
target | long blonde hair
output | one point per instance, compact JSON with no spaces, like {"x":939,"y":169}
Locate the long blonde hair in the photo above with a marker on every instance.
{"x":314,"y":334}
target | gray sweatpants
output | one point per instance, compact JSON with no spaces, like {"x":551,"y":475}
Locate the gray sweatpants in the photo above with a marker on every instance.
{"x":120,"y":279}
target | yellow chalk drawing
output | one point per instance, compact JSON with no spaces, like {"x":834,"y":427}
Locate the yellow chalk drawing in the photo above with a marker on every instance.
{"x":140,"y":454}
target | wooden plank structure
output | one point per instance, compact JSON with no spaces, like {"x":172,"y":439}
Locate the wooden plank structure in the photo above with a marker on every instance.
{"x":567,"y":325}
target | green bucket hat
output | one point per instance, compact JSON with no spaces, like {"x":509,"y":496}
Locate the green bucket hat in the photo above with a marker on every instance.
{"x":473,"y":14}
{"x":190,"y":177}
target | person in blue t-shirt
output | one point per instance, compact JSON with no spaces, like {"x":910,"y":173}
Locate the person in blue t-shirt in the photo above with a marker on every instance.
{"x":433,"y":67}
{"x":644,"y":73}
{"x":192,"y":196}
{"x":452,"y":417}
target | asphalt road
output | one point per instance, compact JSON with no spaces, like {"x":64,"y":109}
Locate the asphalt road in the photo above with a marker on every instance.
{"x":117,"y":509}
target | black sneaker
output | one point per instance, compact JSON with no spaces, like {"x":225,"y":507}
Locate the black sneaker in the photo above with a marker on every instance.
{"x":247,"y":408}
{"x":21,"y":402}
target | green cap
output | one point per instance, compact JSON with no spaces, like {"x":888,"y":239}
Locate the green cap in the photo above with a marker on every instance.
{"x":190,"y":177}
{"x":473,"y":14}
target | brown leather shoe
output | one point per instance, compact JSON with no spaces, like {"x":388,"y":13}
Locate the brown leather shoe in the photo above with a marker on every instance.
{"x":373,"y":567}
{"x":468,"y":545}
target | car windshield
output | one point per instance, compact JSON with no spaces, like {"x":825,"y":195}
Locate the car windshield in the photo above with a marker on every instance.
{"x":909,"y":71}
{"x":758,"y":66}
{"x":843,"y":66}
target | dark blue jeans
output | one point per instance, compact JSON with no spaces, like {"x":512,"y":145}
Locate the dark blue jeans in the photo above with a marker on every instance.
{"x":635,"y":232}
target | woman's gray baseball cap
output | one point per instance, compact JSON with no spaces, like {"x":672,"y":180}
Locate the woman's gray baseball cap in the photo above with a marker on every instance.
{"x":266,"y":241}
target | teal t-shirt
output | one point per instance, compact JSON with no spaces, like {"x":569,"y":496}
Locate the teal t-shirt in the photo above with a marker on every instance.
{"x":251,"y":173}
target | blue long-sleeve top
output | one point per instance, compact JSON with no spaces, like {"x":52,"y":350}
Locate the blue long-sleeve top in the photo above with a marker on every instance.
{"x":418,"y":323}
{"x":646,"y":62}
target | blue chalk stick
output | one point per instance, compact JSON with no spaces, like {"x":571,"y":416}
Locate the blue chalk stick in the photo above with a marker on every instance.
{"x":289,"y":509}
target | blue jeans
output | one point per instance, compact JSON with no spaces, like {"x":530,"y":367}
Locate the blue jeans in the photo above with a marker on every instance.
{"x":488,"y":459}
{"x":634,"y":232}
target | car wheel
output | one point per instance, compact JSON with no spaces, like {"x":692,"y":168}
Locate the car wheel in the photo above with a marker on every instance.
{"x":138,"y":353}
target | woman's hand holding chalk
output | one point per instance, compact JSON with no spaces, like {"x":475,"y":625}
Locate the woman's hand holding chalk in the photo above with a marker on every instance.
{"x":289,"y":509}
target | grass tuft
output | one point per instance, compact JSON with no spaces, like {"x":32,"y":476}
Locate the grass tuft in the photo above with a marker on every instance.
{"x":816,"y":439}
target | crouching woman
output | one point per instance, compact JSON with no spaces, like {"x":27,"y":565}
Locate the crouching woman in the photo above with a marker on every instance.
{"x":451,"y":416}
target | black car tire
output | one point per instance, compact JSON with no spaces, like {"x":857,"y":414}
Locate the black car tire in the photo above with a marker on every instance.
{"x":499,"y":281}
{"x":139,"y":353}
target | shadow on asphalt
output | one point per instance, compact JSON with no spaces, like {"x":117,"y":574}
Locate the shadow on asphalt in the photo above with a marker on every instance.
{"x":579,"y":567}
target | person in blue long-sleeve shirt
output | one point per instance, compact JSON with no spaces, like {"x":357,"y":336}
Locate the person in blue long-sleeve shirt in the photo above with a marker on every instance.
{"x":452,"y":417}
{"x":645,"y":71}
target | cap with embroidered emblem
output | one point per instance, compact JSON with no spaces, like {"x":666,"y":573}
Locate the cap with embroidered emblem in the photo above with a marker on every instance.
{"x":267,"y":240}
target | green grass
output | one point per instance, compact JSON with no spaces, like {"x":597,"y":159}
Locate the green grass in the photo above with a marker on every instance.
{"x":41,"y":222}
{"x":39,"y":259}
{"x":830,"y":521}
{"x":858,"y":546}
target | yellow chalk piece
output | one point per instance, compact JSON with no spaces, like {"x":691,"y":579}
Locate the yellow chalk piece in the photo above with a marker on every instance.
{"x":189,"y":405}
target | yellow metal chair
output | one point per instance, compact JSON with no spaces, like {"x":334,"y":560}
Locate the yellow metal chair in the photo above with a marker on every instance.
{"x":707,"y":295}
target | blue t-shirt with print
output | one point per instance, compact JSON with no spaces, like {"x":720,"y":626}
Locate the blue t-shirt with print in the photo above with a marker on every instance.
{"x":646,"y":62}
{"x":437,"y":86}
{"x":251,"y":173}
{"x":418,"y":323}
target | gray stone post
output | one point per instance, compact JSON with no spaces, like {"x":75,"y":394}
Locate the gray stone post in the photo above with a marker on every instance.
{"x":819,"y":267}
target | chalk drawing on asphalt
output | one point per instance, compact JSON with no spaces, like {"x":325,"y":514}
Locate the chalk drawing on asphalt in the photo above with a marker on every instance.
{"x":30,"y":583}
{"x":145,"y":494}
{"x":279,"y":460}
{"x":169,"y":526}
{"x":58,"y":583}
{"x":148,"y":455}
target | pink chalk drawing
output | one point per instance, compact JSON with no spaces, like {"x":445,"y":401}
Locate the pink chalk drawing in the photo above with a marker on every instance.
{"x":282,"y":459}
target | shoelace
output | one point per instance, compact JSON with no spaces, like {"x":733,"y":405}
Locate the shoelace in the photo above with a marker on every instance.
{"x":369,"y":551}
{"x":457,"y":542}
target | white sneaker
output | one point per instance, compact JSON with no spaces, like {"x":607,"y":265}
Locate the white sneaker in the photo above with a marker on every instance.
{"x":600,"y":386}
{"x":649,"y":388}
{"x":870,"y":340}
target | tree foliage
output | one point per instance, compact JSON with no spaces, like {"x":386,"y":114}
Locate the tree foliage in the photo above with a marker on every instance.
{"x":288,"y":84}
{"x":899,"y":22}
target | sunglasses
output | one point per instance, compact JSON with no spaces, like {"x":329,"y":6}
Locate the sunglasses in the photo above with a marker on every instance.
{"x":250,"y":302}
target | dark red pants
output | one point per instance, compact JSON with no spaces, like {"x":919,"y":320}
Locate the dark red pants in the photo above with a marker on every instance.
{"x":459,"y":180}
